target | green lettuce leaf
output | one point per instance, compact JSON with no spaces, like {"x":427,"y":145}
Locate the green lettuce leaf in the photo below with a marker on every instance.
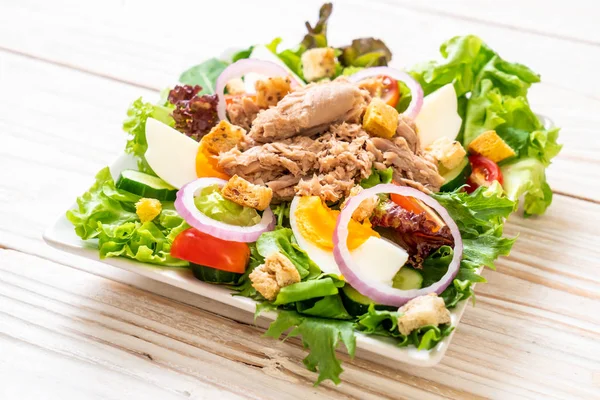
{"x":211,"y":203}
{"x":327,"y":307}
{"x":317,"y":35}
{"x":377,"y":177}
{"x":364,"y":53}
{"x":306,"y":290}
{"x":292,"y":58}
{"x":145,"y":242}
{"x":135,"y":126}
{"x":102,"y":203}
{"x":385,"y":323}
{"x":527,"y":177}
{"x":321,"y":337}
{"x":283,"y":240}
{"x":108,"y":214}
{"x":242,"y":54}
{"x":463,"y":57}
{"x":204,"y":75}
{"x":480,"y":218}
{"x":543,"y":145}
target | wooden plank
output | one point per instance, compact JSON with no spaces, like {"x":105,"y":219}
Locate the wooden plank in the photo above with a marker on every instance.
{"x":574,"y":20}
{"x":149,"y":44}
{"x":502,"y":349}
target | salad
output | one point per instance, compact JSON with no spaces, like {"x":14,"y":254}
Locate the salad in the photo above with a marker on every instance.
{"x":348,"y":195}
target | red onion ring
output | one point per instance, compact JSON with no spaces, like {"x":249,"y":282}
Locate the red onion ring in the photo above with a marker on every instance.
{"x":184,"y":204}
{"x":239,"y":69}
{"x":379,"y":292}
{"x":415,"y":88}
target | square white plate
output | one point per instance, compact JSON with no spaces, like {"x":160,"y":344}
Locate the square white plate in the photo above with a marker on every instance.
{"x":383,"y":350}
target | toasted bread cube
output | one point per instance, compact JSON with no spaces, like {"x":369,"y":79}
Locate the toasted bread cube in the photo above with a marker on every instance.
{"x":223,"y":137}
{"x":271,"y":90}
{"x":264,"y":282}
{"x":148,"y":209}
{"x":318,"y":63}
{"x":447,"y":152}
{"x":277,"y":272}
{"x":380,"y":119}
{"x":490,"y":145}
{"x":235,"y":86}
{"x":247,"y":194}
{"x":366,"y":207}
{"x":285,"y":272}
{"x":423,"y":311}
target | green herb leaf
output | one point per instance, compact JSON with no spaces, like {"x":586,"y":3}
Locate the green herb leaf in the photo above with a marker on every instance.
{"x":321,"y":337}
{"x":205,"y":75}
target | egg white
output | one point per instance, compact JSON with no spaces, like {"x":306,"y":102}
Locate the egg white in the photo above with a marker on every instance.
{"x":377,"y":258}
{"x":170,"y":154}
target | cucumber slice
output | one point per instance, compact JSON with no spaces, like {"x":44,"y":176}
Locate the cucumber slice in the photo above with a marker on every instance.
{"x":357,"y":304}
{"x":145,"y":185}
{"x":456,"y":177}
{"x":213,"y":275}
{"x":407,"y":278}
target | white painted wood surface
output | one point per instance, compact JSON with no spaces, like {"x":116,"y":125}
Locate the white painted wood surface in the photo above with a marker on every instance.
{"x":74,"y":328}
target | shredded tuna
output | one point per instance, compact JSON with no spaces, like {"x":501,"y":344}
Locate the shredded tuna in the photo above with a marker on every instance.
{"x":310,"y":110}
{"x":242,"y":111}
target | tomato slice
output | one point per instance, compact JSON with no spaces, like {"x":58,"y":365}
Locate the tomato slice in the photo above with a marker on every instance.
{"x":417,"y":207}
{"x":484,"y":173}
{"x":390,"y":92}
{"x":201,"y":248}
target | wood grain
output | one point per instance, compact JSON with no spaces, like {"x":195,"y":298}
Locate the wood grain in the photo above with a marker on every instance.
{"x":85,"y":329}
{"x":149,"y":44}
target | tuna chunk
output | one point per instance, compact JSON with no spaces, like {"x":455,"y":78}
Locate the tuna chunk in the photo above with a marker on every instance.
{"x":327,"y":166}
{"x":310,"y":110}
{"x":410,"y":169}
{"x":242,"y":111}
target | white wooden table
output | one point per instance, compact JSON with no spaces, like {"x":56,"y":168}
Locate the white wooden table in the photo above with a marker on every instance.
{"x":71,"y":328}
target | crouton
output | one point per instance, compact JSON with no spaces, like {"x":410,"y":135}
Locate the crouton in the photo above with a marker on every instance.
{"x":148,"y":209}
{"x":247,"y":194}
{"x":223,"y":137}
{"x":271,"y":90}
{"x":318,"y":63}
{"x":423,"y":311}
{"x":366,"y":207}
{"x":235,"y":86}
{"x":380,"y":119}
{"x":490,"y":145}
{"x":277,"y":272}
{"x":285,"y":272}
{"x":449,"y":153}
{"x":264,"y":282}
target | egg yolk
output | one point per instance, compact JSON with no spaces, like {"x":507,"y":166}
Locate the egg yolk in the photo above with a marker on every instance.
{"x":316,"y":223}
{"x":207,"y":165}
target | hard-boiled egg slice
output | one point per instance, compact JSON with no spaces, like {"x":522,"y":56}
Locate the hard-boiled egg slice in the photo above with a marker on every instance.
{"x":313,"y":224}
{"x":379,"y":260}
{"x":170,"y":154}
{"x":439,"y":116}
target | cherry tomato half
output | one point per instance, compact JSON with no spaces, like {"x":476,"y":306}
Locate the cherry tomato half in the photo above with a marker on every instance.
{"x":417,"y":207}
{"x":201,"y":248}
{"x":484,"y":173}
{"x":390,"y":92}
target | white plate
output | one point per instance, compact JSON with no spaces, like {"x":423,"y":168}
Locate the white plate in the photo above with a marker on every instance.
{"x":62,"y":236}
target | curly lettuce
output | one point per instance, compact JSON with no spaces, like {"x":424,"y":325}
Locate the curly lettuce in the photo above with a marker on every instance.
{"x":108,"y":214}
{"x":492,"y":94}
{"x":135,"y":126}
